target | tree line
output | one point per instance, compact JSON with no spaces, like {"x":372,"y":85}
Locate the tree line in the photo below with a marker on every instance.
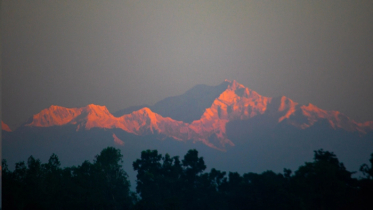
{"x":165,"y":182}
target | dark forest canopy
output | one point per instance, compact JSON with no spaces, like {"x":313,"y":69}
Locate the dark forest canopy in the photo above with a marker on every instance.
{"x":165,"y":182}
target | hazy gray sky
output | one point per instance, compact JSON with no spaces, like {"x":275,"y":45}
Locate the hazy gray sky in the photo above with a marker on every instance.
{"x":123,"y":53}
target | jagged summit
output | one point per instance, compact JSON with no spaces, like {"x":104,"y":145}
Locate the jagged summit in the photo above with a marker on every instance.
{"x":233,"y":84}
{"x":58,"y":115}
{"x":5,"y":127}
{"x":96,"y":108}
{"x":54,"y":115}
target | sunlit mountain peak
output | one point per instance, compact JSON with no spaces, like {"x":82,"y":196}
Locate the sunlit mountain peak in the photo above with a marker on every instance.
{"x":234,"y":85}
{"x":5,"y":127}
{"x":54,"y":115}
{"x":94,"y":107}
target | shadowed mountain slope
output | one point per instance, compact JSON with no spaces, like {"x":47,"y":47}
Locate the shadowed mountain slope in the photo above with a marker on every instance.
{"x":186,"y":107}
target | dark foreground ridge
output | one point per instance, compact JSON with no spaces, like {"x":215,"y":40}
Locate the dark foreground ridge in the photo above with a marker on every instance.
{"x":165,"y":182}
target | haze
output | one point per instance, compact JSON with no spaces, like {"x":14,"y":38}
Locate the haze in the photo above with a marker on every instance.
{"x":125,"y":53}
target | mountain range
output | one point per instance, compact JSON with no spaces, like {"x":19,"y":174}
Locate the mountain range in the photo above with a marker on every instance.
{"x":228,"y":123}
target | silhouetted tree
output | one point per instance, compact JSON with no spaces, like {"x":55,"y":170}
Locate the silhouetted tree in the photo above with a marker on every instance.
{"x":165,"y":182}
{"x":101,"y":185}
{"x":158,"y":180}
{"x":365,"y":194}
{"x":368,"y":171}
{"x":324,"y":183}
